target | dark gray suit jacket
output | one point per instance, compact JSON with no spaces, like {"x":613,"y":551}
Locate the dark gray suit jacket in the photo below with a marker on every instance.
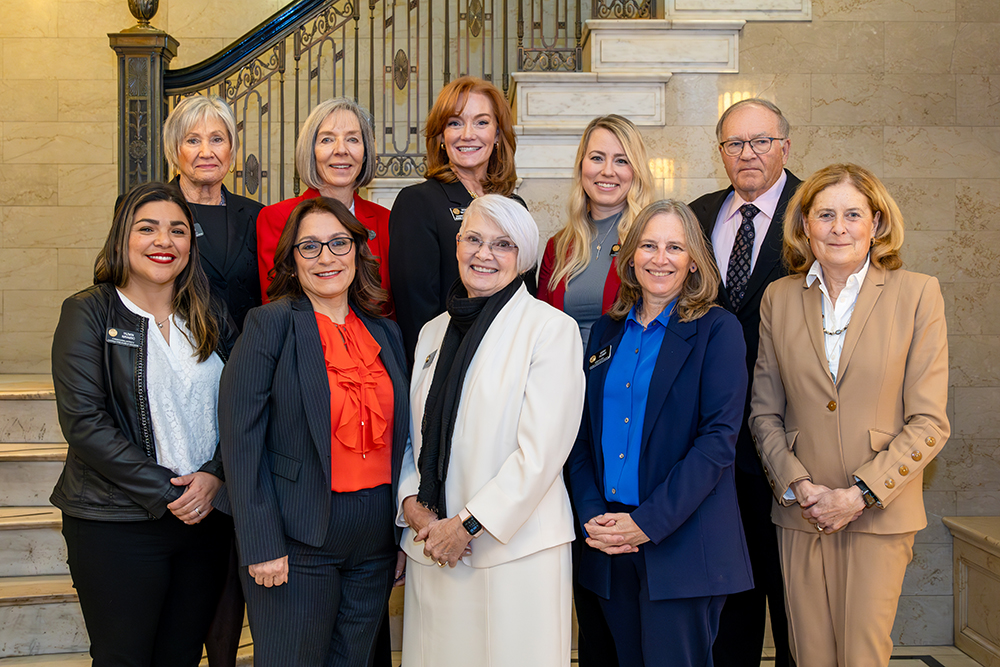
{"x":768,"y":268}
{"x":274,"y":425}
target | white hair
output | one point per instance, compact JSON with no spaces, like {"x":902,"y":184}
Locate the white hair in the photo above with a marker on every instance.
{"x":514,"y":220}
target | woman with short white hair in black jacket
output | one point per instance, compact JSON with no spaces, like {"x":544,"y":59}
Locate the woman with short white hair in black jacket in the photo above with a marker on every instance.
{"x":136,"y":361}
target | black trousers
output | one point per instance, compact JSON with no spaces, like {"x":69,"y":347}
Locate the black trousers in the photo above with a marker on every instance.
{"x":223,"y":640}
{"x":148,"y":589}
{"x":658,"y":633}
{"x":329,"y":611}
{"x":594,"y":643}
{"x":741,"y":628}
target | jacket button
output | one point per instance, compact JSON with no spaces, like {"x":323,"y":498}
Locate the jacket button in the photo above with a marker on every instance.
{"x":916,"y":456}
{"x":889,"y":483}
{"x":626,"y":420}
{"x":621,"y":456}
{"x":930,"y":441}
{"x":772,"y":483}
{"x":831,"y":406}
{"x":904,"y":471}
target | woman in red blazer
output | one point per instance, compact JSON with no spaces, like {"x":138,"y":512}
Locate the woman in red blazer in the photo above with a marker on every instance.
{"x":611,"y":184}
{"x":335,"y":155}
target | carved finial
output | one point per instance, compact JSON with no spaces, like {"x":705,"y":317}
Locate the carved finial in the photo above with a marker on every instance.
{"x":143,"y":11}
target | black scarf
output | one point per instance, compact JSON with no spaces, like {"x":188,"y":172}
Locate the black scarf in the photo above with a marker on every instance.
{"x":471,"y":318}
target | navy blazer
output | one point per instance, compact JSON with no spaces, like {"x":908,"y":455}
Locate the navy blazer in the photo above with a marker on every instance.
{"x":687,"y":489}
{"x":274,"y":425}
{"x":768,"y":268}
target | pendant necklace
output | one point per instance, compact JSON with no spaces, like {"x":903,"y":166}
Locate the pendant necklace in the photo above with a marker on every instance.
{"x":614,"y":225}
{"x":161,"y":322}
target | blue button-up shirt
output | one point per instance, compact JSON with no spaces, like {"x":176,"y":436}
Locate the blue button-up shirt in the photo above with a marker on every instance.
{"x":626,"y":388}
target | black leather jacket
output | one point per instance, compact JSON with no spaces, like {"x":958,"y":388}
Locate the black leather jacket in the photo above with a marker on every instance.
{"x":99,"y":373}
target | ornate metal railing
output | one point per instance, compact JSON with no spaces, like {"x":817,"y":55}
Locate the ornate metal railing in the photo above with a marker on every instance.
{"x":390,"y":55}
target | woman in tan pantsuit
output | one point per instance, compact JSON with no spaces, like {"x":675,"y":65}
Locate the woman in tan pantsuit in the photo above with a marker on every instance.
{"x":848,"y":407}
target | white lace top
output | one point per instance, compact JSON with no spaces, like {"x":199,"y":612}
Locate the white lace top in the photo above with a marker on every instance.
{"x":183,"y":396}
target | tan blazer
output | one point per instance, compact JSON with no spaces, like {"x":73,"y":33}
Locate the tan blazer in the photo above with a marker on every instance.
{"x":882,"y":421}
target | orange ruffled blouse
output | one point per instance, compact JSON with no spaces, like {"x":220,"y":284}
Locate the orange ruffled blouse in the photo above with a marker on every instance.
{"x":361,"y":406}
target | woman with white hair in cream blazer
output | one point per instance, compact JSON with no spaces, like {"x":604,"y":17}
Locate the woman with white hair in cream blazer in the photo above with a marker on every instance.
{"x":497,"y":393}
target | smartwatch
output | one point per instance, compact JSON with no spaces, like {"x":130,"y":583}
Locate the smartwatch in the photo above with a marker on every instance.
{"x":470,"y":523}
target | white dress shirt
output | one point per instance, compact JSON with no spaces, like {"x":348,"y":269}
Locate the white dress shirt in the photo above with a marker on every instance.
{"x":729,"y":220}
{"x":837,"y":316}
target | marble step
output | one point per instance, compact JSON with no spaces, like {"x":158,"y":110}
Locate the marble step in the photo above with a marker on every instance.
{"x":28,"y":471}
{"x":40,"y":615}
{"x":28,"y":409}
{"x":33,"y":542}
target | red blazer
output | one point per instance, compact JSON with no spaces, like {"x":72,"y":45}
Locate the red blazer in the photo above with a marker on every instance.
{"x":271,"y":222}
{"x":555,"y":296}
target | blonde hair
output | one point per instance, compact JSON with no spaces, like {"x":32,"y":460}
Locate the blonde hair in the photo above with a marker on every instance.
{"x":189,"y":112}
{"x":888,"y":230}
{"x":305,"y":147}
{"x":700,"y":286}
{"x":572,"y":242}
{"x":501,"y":176}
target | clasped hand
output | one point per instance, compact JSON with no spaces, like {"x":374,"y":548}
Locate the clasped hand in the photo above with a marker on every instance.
{"x":828,"y":509}
{"x":615,"y":533}
{"x":196,"y":501}
{"x":445,"y":540}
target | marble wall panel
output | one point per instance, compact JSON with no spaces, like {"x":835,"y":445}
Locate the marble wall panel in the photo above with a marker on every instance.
{"x":942,"y":152}
{"x":27,"y":185}
{"x":883,"y":10}
{"x":987,"y":11}
{"x":88,"y":101}
{"x":700,"y":99}
{"x":33,"y":310}
{"x":25,"y":352}
{"x":28,"y":100}
{"x":976,"y":416}
{"x":937,"y":504}
{"x":193,"y":50}
{"x":87,"y":18}
{"x":200,"y":19}
{"x":976,"y":49}
{"x":977,"y":503}
{"x":847,"y":99}
{"x":927,"y":204}
{"x":954,"y":256}
{"x":547,"y":199}
{"x":51,"y":227}
{"x":971,"y":308}
{"x":930,"y":571}
{"x":924,"y":620}
{"x":693,"y":150}
{"x":75,"y":58}
{"x":978,"y":99}
{"x":967,"y":462}
{"x":918,"y":99}
{"x":834,"y":47}
{"x":31,"y":19}
{"x":687,"y":189}
{"x":76,"y":269}
{"x":815,"y":147}
{"x":976,"y":204}
{"x":59,"y":143}
{"x":34,"y":269}
{"x":974,"y":361}
{"x":88,"y":185}
{"x":919,"y":48}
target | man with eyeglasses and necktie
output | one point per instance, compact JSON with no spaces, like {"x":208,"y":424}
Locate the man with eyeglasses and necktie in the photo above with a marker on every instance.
{"x":743,"y":224}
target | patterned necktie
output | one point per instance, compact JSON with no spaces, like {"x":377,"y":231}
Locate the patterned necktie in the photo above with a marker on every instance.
{"x":739,"y":261}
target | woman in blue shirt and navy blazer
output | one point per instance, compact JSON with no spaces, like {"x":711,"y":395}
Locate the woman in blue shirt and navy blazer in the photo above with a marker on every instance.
{"x":652,"y":470}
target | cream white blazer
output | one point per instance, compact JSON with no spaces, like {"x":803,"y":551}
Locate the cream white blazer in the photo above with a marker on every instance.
{"x":518,"y":417}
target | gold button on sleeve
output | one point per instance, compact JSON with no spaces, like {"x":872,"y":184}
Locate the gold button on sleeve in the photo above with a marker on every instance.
{"x":904,"y":471}
{"x":831,"y":406}
{"x":890,"y":483}
{"x":916,"y":456}
{"x":930,"y":441}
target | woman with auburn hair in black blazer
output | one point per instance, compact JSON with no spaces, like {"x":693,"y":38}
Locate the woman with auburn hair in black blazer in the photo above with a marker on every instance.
{"x":314,"y":414}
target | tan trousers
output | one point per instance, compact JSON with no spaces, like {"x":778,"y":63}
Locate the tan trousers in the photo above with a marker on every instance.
{"x":841,"y":593}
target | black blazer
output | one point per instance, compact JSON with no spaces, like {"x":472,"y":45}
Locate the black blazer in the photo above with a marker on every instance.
{"x":274,"y":425}
{"x":424,"y":221}
{"x":769,"y":267}
{"x":233,"y":273}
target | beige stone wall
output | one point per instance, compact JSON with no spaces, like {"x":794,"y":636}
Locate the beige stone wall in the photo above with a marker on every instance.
{"x":911,"y":90}
{"x":908,"y":88}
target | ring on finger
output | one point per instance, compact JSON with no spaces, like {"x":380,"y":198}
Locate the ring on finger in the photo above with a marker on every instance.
{"x":197,"y":510}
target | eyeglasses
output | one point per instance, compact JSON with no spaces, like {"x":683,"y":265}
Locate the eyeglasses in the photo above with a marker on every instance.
{"x":759,"y":145}
{"x":501,"y":247}
{"x":339,"y":246}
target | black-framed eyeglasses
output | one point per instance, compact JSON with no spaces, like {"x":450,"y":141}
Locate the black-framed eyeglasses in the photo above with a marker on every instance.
{"x":475,"y":242}
{"x":339,"y":246}
{"x":759,"y":145}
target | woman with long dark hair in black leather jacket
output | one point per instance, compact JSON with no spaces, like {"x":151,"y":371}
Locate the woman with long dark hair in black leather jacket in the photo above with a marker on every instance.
{"x":136,"y":361}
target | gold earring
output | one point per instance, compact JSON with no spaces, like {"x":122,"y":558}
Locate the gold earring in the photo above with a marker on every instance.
{"x":232,"y":167}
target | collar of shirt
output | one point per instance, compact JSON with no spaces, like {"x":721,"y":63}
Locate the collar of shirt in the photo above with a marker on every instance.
{"x":729,"y":219}
{"x":767,"y":202}
{"x":663,"y":318}
{"x":836,"y":316}
{"x":852,"y":288}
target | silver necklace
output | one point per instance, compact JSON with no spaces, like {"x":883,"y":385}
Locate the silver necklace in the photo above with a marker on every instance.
{"x":838,"y":331}
{"x":614,"y":225}
{"x":161,"y":322}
